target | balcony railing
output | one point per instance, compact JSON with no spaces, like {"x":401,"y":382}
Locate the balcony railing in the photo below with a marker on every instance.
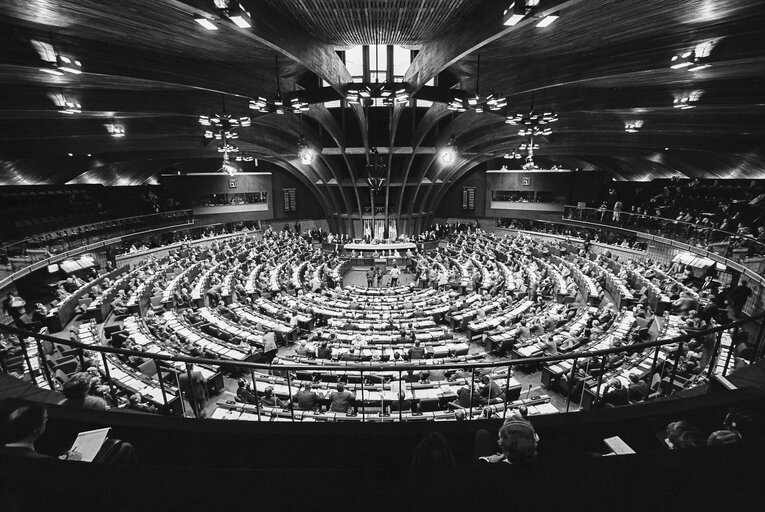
{"x":734,"y":246}
{"x":23,"y":253}
{"x":171,"y":397}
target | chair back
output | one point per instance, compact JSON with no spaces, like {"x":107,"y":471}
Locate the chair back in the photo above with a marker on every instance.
{"x":149,"y":368}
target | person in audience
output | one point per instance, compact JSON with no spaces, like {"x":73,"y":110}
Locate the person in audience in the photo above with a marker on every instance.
{"x":350,"y":355}
{"x":489,"y":391}
{"x":370,"y":277}
{"x":637,"y":388}
{"x":324,"y":351}
{"x":467,"y":398}
{"x":416,"y":351}
{"x":194,"y":386}
{"x":615,"y":394}
{"x":682,"y":435}
{"x":341,"y":400}
{"x":395,"y":272}
{"x":737,"y":298}
{"x":76,"y":393}
{"x":119,"y":304}
{"x":307,"y":399}
{"x":26,"y":424}
{"x":269,"y":347}
{"x":269,"y":399}
{"x":433,"y":452}
{"x":302,"y":349}
{"x":723,"y":437}
{"x":135,"y":403}
{"x":245,"y":394}
{"x":517,"y":442}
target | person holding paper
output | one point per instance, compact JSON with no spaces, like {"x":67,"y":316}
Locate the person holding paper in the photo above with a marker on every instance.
{"x":27,"y":424}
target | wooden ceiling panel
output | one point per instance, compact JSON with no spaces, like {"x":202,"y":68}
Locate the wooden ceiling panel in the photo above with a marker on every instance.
{"x":149,"y":67}
{"x":347,"y":23}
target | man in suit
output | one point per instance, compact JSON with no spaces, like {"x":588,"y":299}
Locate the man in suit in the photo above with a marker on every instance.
{"x":307,"y":399}
{"x":25,"y":425}
{"x":616,"y":394}
{"x":637,"y":388}
{"x":198,"y":383}
{"x":341,"y":400}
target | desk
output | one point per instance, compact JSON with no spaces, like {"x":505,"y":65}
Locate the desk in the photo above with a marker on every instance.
{"x":402,"y":246}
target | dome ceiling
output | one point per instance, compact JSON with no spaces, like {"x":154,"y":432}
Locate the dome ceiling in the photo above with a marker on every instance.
{"x":151,"y":69}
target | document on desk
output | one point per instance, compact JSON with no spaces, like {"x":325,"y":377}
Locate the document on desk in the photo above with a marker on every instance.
{"x":87,"y":444}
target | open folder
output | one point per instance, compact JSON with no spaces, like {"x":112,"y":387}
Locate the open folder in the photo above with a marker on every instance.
{"x":87,"y":444}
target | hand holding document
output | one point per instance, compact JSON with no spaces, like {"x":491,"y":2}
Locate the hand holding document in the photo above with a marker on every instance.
{"x":87,"y":445}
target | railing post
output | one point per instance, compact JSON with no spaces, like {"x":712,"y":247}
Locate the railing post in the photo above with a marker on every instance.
{"x":570,"y":383}
{"x":730,"y":355}
{"x":255,"y":390}
{"x":650,"y":375}
{"x":81,"y":356}
{"x":25,"y":353}
{"x":472,"y":387}
{"x":507,"y":387}
{"x":161,"y":381}
{"x":44,"y":363}
{"x":758,"y":342}
{"x":600,"y":381}
{"x":715,"y":353}
{"x":674,"y":366}
{"x":2,"y":363}
{"x":109,"y":375}
{"x":400,"y":384}
{"x":180,"y":393}
{"x":289,"y":398}
{"x":193,"y":392}
{"x":363,"y":407}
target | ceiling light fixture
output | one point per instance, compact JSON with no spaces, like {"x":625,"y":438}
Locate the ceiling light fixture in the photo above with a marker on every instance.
{"x":548,"y":20}
{"x":695,"y":58}
{"x":206,"y":23}
{"x":521,"y":9}
{"x":633,"y":126}
{"x":115,"y":130}
{"x":239,"y":16}
{"x":69,"y":65}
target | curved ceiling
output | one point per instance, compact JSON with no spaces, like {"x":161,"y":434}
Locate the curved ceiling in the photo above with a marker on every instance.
{"x":149,"y":67}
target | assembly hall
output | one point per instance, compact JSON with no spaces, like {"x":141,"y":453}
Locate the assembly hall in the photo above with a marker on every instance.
{"x":382,"y":254}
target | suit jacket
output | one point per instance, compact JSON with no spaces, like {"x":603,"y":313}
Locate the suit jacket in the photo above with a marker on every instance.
{"x":21,"y":451}
{"x":637,"y":391}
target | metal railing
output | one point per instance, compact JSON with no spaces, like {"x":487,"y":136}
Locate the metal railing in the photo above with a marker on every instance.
{"x":18,"y":255}
{"x":42,"y":372}
{"x":730,"y":245}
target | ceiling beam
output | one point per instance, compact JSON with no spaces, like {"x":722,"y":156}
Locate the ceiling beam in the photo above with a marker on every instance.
{"x":476,"y":31}
{"x":275,"y":31}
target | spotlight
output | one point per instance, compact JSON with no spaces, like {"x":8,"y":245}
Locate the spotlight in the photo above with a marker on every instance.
{"x":304,"y":152}
{"x":449,"y":153}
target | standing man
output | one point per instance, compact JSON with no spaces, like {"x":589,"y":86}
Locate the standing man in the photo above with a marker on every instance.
{"x":379,"y":275}
{"x":394,"y":273}
{"x":370,"y":277}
